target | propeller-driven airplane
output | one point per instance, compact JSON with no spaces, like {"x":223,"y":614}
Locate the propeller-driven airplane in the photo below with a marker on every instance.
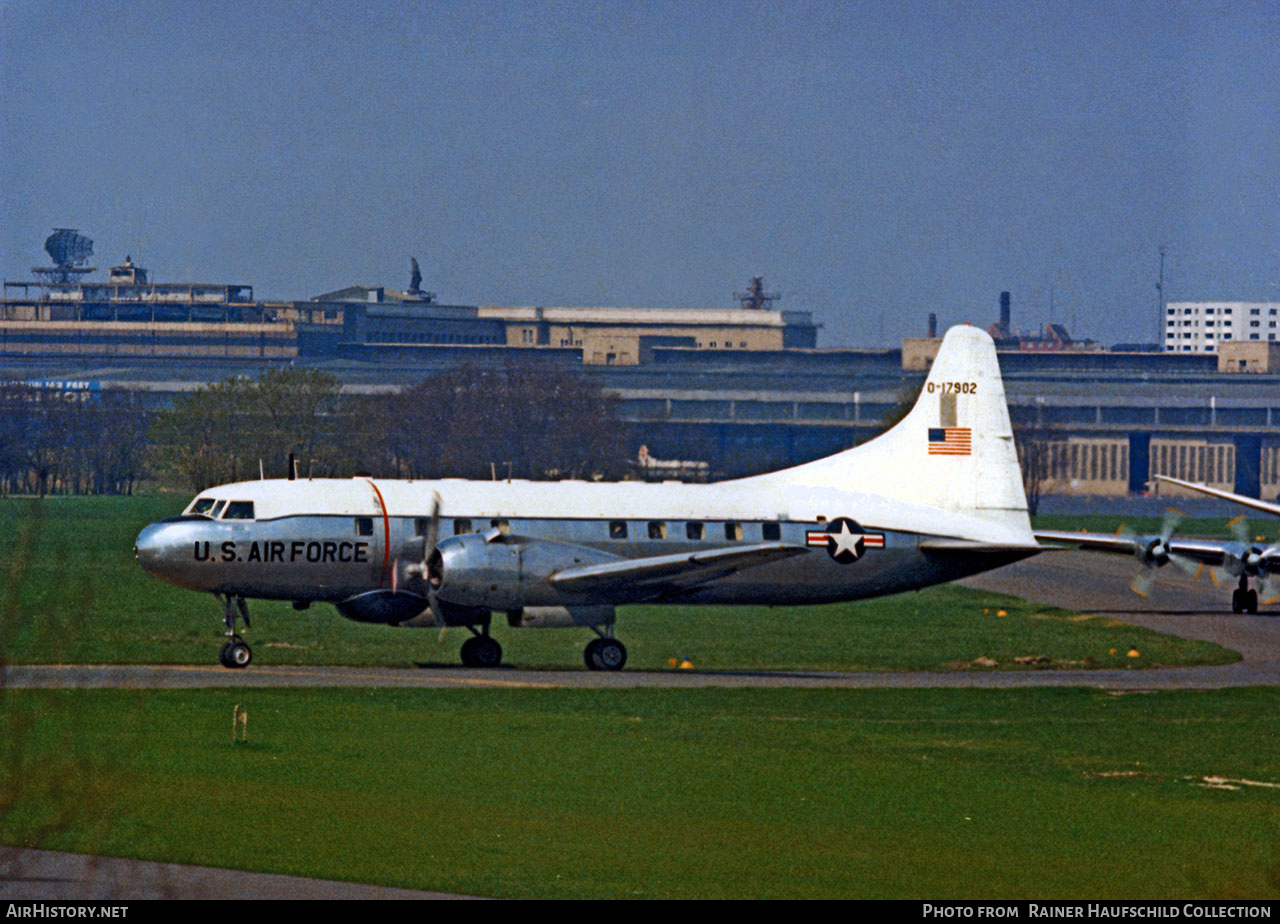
{"x":1227,"y":561}
{"x":937,"y":497}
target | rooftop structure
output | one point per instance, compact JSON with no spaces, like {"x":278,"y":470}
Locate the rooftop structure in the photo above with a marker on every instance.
{"x":1199,"y":327}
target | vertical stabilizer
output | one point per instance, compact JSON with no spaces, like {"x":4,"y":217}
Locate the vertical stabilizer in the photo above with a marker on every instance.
{"x":954,"y":450}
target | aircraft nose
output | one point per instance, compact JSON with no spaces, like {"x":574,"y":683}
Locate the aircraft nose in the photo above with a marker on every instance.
{"x":149,"y":547}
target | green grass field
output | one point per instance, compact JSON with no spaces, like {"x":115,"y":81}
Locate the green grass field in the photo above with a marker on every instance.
{"x":76,"y":595}
{"x":643,"y":793}
{"x":668,"y":794}
{"x":1261,"y":528}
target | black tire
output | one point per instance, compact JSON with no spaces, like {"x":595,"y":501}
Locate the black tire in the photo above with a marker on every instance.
{"x":611,"y":654}
{"x":224,"y":655}
{"x":238,"y":655}
{"x":1237,"y":604}
{"x":481,"y":651}
{"x":589,"y":655}
{"x":1251,"y":602}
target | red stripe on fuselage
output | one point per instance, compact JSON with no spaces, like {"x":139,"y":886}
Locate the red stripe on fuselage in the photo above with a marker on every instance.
{"x":386,"y":534}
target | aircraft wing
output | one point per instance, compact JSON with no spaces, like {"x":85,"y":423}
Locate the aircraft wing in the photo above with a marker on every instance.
{"x":679,"y":571}
{"x":1255,"y":503}
{"x":1205,"y":551}
{"x":976,"y":546}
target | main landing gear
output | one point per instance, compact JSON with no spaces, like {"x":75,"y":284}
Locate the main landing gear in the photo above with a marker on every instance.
{"x":235,"y":651}
{"x":481,"y":650}
{"x":1244,"y":600}
{"x":605,"y":653}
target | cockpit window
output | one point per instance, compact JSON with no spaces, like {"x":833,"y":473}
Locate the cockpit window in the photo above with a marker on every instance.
{"x":201,"y":505}
{"x":238,"y":510}
{"x":217,"y":509}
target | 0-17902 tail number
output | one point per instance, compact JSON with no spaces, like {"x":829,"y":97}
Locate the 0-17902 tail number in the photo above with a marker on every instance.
{"x":952,"y":388}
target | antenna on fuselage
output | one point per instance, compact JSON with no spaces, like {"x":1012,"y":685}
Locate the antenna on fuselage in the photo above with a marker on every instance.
{"x":261,"y":474}
{"x":293,"y":467}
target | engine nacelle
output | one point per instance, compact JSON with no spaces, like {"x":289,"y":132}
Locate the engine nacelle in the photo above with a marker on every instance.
{"x":382,"y":607}
{"x":505,"y":572}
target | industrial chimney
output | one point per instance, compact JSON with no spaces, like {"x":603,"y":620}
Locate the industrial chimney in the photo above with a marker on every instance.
{"x":1005,"y":319}
{"x":933,"y":325}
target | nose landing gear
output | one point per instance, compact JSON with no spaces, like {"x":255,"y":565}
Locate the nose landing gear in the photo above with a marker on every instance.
{"x":235,"y":652}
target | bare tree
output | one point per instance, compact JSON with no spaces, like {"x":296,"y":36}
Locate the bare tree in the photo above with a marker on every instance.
{"x":477,"y":420}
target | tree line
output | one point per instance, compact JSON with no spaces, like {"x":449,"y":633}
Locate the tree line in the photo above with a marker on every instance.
{"x":473,"y":422}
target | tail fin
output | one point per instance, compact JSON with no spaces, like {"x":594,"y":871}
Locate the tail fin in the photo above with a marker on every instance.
{"x":953,"y":450}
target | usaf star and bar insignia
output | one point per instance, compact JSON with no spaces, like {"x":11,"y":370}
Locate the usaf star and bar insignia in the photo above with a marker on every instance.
{"x":844,"y":540}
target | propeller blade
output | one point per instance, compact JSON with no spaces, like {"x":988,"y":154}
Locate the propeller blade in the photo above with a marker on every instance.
{"x":433,"y":528}
{"x":1172,"y":517}
{"x":434,"y":605}
{"x":1240,"y":529}
{"x":1142,"y":581}
{"x":1188,"y":566}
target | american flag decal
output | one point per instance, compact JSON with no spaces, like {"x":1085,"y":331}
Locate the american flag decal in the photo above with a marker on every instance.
{"x":950,"y":441}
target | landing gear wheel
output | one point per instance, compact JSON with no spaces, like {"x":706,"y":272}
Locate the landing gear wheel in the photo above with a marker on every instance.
{"x":1237,"y":601}
{"x":235,"y":654}
{"x":605,"y":654}
{"x":1251,"y":601}
{"x":481,"y":651}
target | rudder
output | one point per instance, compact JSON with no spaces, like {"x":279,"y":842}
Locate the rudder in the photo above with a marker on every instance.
{"x":953,"y":450}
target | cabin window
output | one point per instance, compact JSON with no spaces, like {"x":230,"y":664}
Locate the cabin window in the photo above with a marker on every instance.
{"x":733,"y":531}
{"x":693,"y":530}
{"x":421,"y":526}
{"x":770,"y":532}
{"x":217,"y":509}
{"x":238,"y":510}
{"x":502,"y":526}
{"x":657,"y":529}
{"x":364,"y":526}
{"x":201,"y":505}
{"x":461,"y":526}
{"x":617,"y":529}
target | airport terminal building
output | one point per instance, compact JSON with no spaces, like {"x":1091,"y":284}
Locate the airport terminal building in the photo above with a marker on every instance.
{"x":744,"y":390}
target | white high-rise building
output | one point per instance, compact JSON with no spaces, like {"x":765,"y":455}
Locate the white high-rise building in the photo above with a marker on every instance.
{"x":1198,"y":327}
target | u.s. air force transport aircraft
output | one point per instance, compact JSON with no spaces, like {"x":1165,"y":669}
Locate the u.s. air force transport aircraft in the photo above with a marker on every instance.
{"x":937,"y":497}
{"x":1236,"y":561}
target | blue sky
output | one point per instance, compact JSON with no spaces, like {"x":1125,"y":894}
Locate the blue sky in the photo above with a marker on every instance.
{"x":874,"y":161}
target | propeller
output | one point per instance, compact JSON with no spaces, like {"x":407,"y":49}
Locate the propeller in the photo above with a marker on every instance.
{"x":1249,"y":560}
{"x":1153,"y":552}
{"x":421,"y":569}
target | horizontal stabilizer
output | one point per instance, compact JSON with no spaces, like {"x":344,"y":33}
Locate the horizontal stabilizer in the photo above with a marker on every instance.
{"x":1241,"y":499}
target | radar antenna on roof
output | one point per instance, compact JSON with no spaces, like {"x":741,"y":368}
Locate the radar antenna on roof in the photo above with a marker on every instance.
{"x":69,"y":250}
{"x":756,"y":297}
